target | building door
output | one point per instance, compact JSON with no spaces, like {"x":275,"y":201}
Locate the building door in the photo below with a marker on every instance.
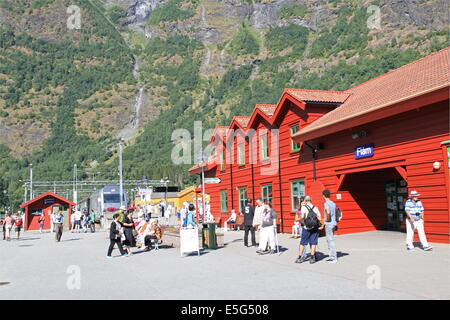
{"x":367,"y":194}
{"x":396,"y":196}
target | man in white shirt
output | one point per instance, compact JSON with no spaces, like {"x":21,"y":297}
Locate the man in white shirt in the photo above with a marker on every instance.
{"x":257,"y":219}
{"x":232,"y":219}
{"x":310,"y":233}
{"x":52,"y":225}
{"x":77,"y":221}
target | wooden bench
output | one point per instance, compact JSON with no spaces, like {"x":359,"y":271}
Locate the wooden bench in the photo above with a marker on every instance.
{"x":239,"y":222}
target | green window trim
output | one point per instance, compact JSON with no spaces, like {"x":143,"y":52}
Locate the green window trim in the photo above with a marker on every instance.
{"x":241,"y":154}
{"x":264,"y":147}
{"x":223,"y":201}
{"x":297,"y":191}
{"x":266,"y":192}
{"x":448,"y":155}
{"x":242,"y":196}
{"x":294,"y":146}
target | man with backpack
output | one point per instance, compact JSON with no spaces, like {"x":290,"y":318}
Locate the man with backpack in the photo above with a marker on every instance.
{"x":310,"y":218}
{"x":329,"y":213}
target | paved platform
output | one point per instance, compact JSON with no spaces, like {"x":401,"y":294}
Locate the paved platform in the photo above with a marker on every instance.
{"x":36,"y":267}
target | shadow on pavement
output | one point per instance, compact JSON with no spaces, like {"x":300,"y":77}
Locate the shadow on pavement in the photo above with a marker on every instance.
{"x":321,"y":256}
{"x":29,"y":239}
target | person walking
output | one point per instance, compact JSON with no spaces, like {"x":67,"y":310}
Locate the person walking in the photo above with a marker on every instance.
{"x":8,"y":223}
{"x":41,"y":221}
{"x":92,"y":220}
{"x":2,"y":223}
{"x":415,"y":221}
{"x":268,"y":230}
{"x":329,"y":213}
{"x":18,"y":224}
{"x":72,"y":221}
{"x":128,"y":227}
{"x":52,"y":226}
{"x":249,"y":214}
{"x":310,"y":217}
{"x":77,"y":214}
{"x":122,"y":214}
{"x":58,"y":220}
{"x":115,"y":235}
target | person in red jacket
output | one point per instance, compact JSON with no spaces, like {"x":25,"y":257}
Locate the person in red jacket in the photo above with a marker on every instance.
{"x":18,"y":222}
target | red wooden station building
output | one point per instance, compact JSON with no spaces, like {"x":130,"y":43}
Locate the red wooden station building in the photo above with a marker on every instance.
{"x":369,"y":145}
{"x":46,"y":203}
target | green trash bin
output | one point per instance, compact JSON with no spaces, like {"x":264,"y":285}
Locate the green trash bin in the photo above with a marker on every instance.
{"x":209,"y":240}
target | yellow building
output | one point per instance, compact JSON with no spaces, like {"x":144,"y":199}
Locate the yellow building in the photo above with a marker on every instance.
{"x":173,"y":198}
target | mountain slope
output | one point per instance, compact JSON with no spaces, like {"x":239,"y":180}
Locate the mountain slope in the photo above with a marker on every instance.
{"x":139,"y":69}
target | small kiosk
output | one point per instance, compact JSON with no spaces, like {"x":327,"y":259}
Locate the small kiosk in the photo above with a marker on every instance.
{"x":46,"y":203}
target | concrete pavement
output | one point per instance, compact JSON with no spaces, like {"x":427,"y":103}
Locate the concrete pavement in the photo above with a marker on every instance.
{"x":37,"y":267}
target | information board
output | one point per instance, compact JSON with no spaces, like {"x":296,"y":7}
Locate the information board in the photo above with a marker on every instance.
{"x":189,"y":240}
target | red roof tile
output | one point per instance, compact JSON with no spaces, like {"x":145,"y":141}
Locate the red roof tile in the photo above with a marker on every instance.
{"x":318,"y":95}
{"x":242,"y":121}
{"x":267,"y":109}
{"x":413,"y":79}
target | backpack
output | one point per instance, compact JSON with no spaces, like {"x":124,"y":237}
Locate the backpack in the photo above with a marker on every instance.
{"x":338,"y":214}
{"x":311,"y":221}
{"x":19,"y":222}
{"x":121,"y":218}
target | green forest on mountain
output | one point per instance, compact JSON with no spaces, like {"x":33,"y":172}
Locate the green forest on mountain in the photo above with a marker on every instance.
{"x":51,"y":66}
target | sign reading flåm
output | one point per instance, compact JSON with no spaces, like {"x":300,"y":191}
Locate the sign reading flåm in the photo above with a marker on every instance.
{"x":364,"y":151}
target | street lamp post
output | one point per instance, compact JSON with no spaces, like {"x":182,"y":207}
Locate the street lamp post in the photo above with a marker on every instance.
{"x":120,"y":174}
{"x":202,"y":158}
{"x":165,"y":181}
{"x":31,"y":181}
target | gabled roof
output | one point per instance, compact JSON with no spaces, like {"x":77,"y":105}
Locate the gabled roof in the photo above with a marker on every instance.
{"x":267,"y":109}
{"x":412,"y":80}
{"x":418,"y":78}
{"x":46,"y":195}
{"x":318,"y":95}
{"x":241,"y":120}
{"x":219,"y":131}
{"x":186,"y":191}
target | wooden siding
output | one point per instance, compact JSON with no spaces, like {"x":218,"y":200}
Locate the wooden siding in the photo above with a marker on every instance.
{"x":410,"y":140}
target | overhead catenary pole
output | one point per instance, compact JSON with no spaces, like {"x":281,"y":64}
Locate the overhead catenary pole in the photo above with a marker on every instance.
{"x":203,"y":195}
{"x":75,"y":196}
{"x":202,"y":159}
{"x":120,"y":174}
{"x":31,"y":181}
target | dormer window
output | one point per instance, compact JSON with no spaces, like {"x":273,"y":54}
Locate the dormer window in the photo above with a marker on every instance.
{"x":294,"y":146}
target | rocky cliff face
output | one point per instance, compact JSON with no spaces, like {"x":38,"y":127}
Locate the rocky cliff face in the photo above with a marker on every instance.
{"x":214,"y":23}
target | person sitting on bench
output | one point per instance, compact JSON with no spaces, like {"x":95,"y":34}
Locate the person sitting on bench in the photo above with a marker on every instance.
{"x":153,"y":234}
{"x":232,"y":219}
